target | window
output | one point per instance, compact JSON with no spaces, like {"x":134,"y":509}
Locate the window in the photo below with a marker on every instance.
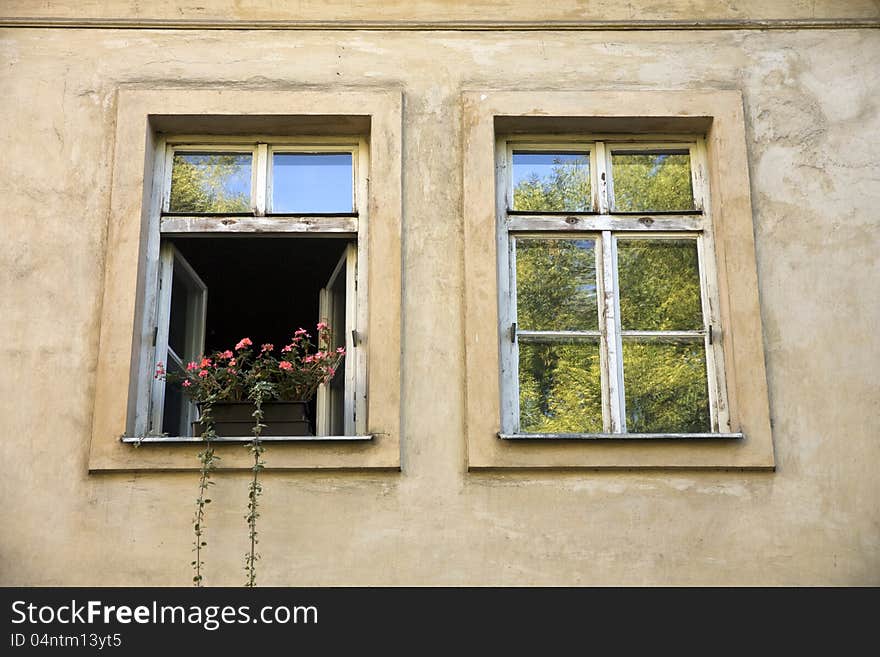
{"x":221,"y":278}
{"x":250,"y":228}
{"x":608,"y":304}
{"x":611,"y":297}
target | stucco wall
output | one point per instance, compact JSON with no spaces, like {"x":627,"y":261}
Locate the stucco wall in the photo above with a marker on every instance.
{"x":812,"y":126}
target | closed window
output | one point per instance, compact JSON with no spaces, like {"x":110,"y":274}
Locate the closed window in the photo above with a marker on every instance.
{"x":608,"y":297}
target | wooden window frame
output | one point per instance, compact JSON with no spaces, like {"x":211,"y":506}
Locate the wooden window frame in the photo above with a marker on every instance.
{"x":151,"y":392}
{"x":595,"y":224}
{"x":710,"y":119}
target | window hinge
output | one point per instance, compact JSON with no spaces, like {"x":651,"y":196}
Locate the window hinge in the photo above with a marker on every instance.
{"x":513,"y":332}
{"x":710,"y":334}
{"x":155,"y":334}
{"x":354,"y":338}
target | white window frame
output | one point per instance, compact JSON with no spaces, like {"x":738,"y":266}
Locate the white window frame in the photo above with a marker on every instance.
{"x":605,"y":225}
{"x":163,"y":223}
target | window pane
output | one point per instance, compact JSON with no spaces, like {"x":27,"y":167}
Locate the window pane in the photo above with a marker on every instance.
{"x":178,"y":320}
{"x":211,"y":182}
{"x":666,"y":389}
{"x":551,"y":182}
{"x":173,"y":410}
{"x":312,"y":182}
{"x":659,"y":282}
{"x":652,"y":181}
{"x":560,"y":388}
{"x":556,"y":284}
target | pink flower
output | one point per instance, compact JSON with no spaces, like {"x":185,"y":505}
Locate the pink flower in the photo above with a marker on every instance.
{"x":160,"y":370}
{"x":286,"y":348}
{"x":231,"y":370}
{"x":309,"y":359}
{"x":244,"y":342}
{"x":330,"y":372}
{"x":231,"y":363}
{"x":203,"y":374}
{"x":340,"y":350}
{"x":322,"y":326}
{"x":192,"y":366}
{"x":206,"y":362}
{"x":187,"y":383}
{"x":285,"y":365}
{"x":267,"y":347}
{"x":226,"y":354}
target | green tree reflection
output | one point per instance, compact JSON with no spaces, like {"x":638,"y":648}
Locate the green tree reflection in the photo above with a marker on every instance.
{"x":665,"y":383}
{"x":652,"y":182}
{"x":210,"y":183}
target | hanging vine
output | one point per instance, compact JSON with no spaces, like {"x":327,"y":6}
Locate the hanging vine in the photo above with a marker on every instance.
{"x":260,"y":391}
{"x":208,"y":460}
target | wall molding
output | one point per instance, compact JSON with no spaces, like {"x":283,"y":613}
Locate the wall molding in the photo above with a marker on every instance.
{"x":431,"y":26}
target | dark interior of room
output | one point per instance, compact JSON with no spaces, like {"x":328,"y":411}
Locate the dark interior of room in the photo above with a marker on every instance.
{"x":263,"y":288}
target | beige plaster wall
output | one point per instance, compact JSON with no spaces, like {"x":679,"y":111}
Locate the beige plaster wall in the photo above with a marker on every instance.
{"x":812,"y":120}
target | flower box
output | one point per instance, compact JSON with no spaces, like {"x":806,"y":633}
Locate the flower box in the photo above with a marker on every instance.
{"x":282,"y":418}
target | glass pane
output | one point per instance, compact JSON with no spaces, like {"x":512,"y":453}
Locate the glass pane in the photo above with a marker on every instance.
{"x":173,"y":410}
{"x":659,"y":282}
{"x":652,"y":181}
{"x":178,"y":319}
{"x":666,"y":389}
{"x":560,"y":388}
{"x":556,"y":285}
{"x":551,"y":182}
{"x":211,"y":182}
{"x":311,"y":182}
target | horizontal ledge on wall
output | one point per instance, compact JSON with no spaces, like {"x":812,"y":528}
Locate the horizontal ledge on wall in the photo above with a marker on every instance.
{"x":423,"y":26}
{"x":620,"y":436}
{"x":184,"y":440}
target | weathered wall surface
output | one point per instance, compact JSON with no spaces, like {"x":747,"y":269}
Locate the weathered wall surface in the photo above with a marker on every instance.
{"x":811,"y":101}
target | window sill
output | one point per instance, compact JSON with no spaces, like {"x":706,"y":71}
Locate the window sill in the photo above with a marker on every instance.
{"x":178,"y":440}
{"x":621,"y":436}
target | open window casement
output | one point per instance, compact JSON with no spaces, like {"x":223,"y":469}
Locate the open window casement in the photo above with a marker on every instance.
{"x":335,"y":401}
{"x":180,"y":338}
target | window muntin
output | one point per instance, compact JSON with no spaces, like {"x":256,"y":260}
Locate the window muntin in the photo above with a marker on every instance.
{"x":338,"y":412}
{"x":648,"y":365}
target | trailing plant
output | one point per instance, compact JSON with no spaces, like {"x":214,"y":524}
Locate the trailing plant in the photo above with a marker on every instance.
{"x":208,"y":460}
{"x":239,"y":375}
{"x":258,"y":393}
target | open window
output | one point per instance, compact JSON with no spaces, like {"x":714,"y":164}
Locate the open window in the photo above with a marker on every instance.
{"x":180,"y":338}
{"x":257,"y":240}
{"x":335,"y":410}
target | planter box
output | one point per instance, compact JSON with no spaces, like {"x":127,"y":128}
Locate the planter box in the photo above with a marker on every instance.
{"x":282,"y":418}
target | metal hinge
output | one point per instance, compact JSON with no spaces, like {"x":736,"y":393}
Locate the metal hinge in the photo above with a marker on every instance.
{"x":513,"y":332}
